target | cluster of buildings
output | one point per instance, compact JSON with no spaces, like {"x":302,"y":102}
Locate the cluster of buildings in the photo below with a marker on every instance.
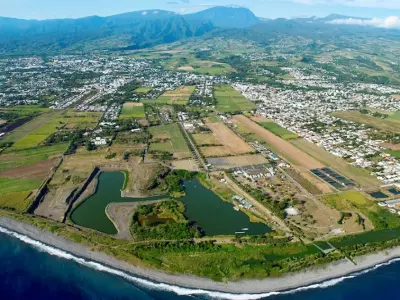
{"x":308,"y":113}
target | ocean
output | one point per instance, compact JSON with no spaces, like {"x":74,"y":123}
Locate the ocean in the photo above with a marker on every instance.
{"x":31,"y":270}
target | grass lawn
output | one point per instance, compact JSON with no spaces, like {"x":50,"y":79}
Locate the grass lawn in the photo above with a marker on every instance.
{"x":170,"y":139}
{"x":143,"y":90}
{"x":230,"y":100}
{"x":279,"y":131}
{"x":132,"y":110}
{"x":354,"y":201}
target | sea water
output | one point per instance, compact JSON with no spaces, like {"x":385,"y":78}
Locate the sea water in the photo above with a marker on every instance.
{"x":31,"y":270}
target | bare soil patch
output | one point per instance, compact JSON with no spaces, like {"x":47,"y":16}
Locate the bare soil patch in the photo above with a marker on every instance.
{"x":232,"y":144}
{"x":37,"y":171}
{"x":186,"y":164}
{"x":391,"y":146}
{"x":186,"y":68}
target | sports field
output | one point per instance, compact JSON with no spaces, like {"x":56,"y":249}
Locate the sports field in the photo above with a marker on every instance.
{"x":132,"y":110}
{"x":279,"y":131}
{"x":230,"y":100}
{"x":391,"y":125}
{"x":230,"y":143}
{"x":169,"y":138}
{"x":360,"y":176}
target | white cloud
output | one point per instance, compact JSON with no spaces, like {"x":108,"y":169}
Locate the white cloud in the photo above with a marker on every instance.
{"x":144,"y":13}
{"x":389,"y":22}
{"x":355,"y":3}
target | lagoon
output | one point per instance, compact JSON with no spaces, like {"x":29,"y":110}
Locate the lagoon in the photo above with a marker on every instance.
{"x":202,"y":206}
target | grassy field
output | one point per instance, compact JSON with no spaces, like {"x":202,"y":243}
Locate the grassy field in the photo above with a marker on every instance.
{"x":360,"y":176}
{"x":170,"y":139}
{"x":143,"y":90}
{"x":395,"y":116}
{"x":37,"y":136}
{"x":132,"y":110}
{"x":17,"y":201}
{"x":391,"y":125}
{"x":230,"y":100}
{"x":279,"y":131}
{"x":14,"y":159}
{"x":395,"y":153}
{"x":25,"y":110}
{"x":12,"y":185}
{"x":204,"y":139}
{"x":367,"y":237}
{"x":78,"y":120}
{"x":355,"y":201}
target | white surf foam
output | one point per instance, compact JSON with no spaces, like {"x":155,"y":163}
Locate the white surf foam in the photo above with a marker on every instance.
{"x":177,"y":289}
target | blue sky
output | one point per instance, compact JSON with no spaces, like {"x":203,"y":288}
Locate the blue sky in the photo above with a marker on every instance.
{"x":45,"y":9}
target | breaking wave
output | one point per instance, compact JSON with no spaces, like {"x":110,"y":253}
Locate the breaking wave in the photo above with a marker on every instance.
{"x":177,"y":289}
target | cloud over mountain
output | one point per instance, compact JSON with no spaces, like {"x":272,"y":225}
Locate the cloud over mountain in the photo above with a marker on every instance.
{"x":392,"y":22}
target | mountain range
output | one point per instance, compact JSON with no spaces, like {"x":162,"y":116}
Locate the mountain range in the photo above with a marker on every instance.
{"x":142,"y":29}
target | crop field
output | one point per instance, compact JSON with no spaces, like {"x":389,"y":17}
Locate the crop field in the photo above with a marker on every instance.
{"x":30,"y":126}
{"x":78,"y":120}
{"x":230,"y":100}
{"x":37,"y":136}
{"x":169,"y":138}
{"x":358,"y":175}
{"x":391,"y":125}
{"x":25,"y":110}
{"x":132,"y":110}
{"x":16,"y":192}
{"x":231,"y":143}
{"x":279,"y":131}
{"x":178,"y":96}
{"x":143,"y":90}
{"x":28,"y":157}
{"x":357,"y":202}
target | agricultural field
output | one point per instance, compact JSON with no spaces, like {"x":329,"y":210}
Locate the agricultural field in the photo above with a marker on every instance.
{"x":358,"y":175}
{"x":78,"y":120}
{"x":279,"y":131}
{"x":394,"y":116}
{"x":357,"y":202}
{"x":30,"y":126}
{"x":205,"y":139}
{"x":28,"y":157}
{"x":132,"y":110}
{"x":178,"y":96}
{"x":169,"y":138}
{"x":230,"y":143}
{"x":390,"y":125}
{"x":230,"y":100}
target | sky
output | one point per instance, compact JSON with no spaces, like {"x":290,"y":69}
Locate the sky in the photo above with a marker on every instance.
{"x":50,"y":9}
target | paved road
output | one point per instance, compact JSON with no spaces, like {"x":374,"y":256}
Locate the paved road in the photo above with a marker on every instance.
{"x":193,"y":147}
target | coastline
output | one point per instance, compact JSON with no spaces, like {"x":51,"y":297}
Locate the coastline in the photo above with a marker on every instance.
{"x":318,"y":274}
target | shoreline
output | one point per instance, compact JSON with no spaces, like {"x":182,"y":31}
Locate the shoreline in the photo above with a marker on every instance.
{"x":318,"y":274}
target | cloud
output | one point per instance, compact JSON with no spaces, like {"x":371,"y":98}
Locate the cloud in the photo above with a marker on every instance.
{"x":355,"y":3}
{"x":389,"y":22}
{"x":144,"y":13}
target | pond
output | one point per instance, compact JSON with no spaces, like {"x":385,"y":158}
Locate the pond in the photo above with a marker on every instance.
{"x":215,"y":216}
{"x":91,"y":213}
{"x":211,"y":213}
